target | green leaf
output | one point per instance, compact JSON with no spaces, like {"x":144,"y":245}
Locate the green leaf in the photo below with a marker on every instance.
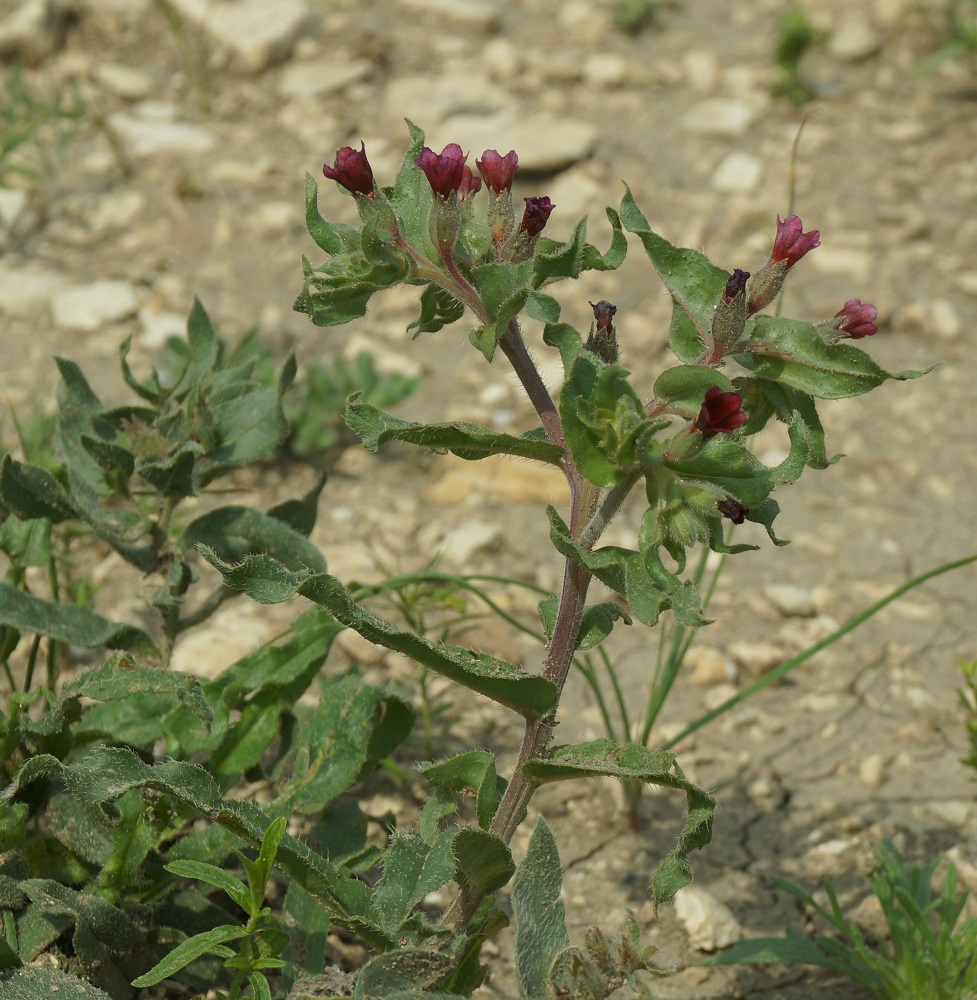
{"x":236,"y":532}
{"x":729,"y":468}
{"x":339,"y":290}
{"x":27,"y":543}
{"x":412,"y":868}
{"x":692,"y":280}
{"x":541,"y":932}
{"x":109,"y":772}
{"x":601,"y":416}
{"x":530,"y":695}
{"x":330,"y":237}
{"x":32,"y":492}
{"x":466,"y":440}
{"x":413,"y":199}
{"x":208,"y":943}
{"x":773,"y":950}
{"x":45,"y":983}
{"x":405,"y":974}
{"x":117,"y":463}
{"x":635,"y":762}
{"x":795,"y":354}
{"x":438,"y":309}
{"x":121,"y":678}
{"x":308,"y":929}
{"x":172,"y":476}
{"x":336,"y":746}
{"x":68,"y":623}
{"x":542,"y":307}
{"x":640,"y":577}
{"x":300,"y":514}
{"x":685,"y":387}
{"x":150,"y":390}
{"x":595,"y":626}
{"x":484,"y":861}
{"x":215,"y":876}
{"x":555,"y":261}
{"x":108,"y":923}
{"x":203,"y":355}
{"x":263,"y":578}
{"x":472,"y":771}
{"x":249,"y":426}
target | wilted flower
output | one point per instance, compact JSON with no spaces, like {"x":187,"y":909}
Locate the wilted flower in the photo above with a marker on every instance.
{"x":857,"y":319}
{"x":735,"y":285}
{"x":445,"y":170}
{"x":733,"y":509}
{"x":536,"y":216}
{"x":470,"y":184}
{"x":720,"y":413}
{"x":792,"y":242}
{"x":497,"y":170}
{"x":352,"y":170}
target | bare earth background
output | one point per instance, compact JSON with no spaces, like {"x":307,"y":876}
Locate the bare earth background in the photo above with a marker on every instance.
{"x":172,"y":199}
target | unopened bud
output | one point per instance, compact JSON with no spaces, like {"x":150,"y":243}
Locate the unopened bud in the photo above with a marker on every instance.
{"x":729,"y":319}
{"x":603,"y":339}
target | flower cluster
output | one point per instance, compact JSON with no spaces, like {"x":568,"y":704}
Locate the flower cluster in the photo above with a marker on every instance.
{"x":720,"y":413}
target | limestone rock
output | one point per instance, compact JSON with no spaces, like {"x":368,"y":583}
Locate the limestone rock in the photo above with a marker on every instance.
{"x":90,"y":307}
{"x":709,"y":923}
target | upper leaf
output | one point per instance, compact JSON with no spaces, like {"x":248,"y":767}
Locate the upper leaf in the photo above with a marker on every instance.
{"x":795,"y":354}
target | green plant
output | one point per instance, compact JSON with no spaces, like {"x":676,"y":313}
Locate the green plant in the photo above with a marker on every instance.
{"x":139,"y":756}
{"x":931,"y":954}
{"x":968,"y":699}
{"x":961,"y":29}
{"x":262,"y":938}
{"x":33,"y":122}
{"x":796,"y":35}
{"x":633,"y":15}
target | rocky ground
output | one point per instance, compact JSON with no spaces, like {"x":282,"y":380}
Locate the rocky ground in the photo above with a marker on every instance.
{"x":186,"y":177}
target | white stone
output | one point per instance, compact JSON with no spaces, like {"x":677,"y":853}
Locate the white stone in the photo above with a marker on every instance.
{"x":256,"y":33}
{"x":471,"y":13}
{"x":31,"y":30}
{"x":719,"y":116}
{"x":124,"y":81}
{"x":708,"y":922}
{"x":12,"y":204}
{"x":709,"y":666}
{"x":855,"y":265}
{"x":717,"y":695}
{"x":606,"y":70}
{"x":738,"y":173}
{"x":149,"y":136}
{"x":276,"y":217}
{"x":23,"y":291}
{"x":89,"y":307}
{"x":462,"y":543}
{"x":854,"y":40}
{"x":158,"y":327}
{"x":871,"y":771}
{"x":318,"y":79}
{"x":117,"y":211}
{"x":790,"y":600}
{"x":756,"y":658}
{"x":545,"y":144}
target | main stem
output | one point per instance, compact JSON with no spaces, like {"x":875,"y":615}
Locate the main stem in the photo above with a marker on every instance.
{"x":576,"y":579}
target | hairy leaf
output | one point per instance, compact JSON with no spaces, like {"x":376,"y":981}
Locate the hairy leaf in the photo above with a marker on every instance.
{"x":541,"y":931}
{"x":655,"y":767}
{"x":466,"y":440}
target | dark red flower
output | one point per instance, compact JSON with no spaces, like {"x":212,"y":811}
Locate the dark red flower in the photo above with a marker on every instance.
{"x":792,"y":242}
{"x":470,"y":184}
{"x":352,"y":170}
{"x":720,"y":413}
{"x":857,"y":319}
{"x":498,"y":170}
{"x":445,"y":170}
{"x":733,"y":509}
{"x":536,"y":216}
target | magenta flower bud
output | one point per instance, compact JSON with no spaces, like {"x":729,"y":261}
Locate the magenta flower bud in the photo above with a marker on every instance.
{"x":352,"y":171}
{"x":857,"y":319}
{"x":536,"y":216}
{"x":470,"y":184}
{"x":445,"y":170}
{"x":792,"y":242}
{"x":497,"y":170}
{"x":720,"y":413}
